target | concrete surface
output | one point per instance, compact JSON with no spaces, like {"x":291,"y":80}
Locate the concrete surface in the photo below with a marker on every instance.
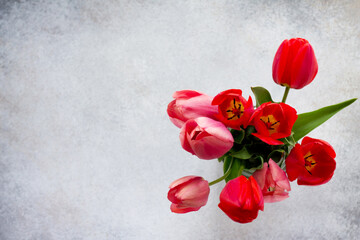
{"x":87,"y":150}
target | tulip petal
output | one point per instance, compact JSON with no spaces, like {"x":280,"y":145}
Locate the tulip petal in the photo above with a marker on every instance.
{"x":218,"y":99}
{"x":327,"y":147}
{"x":295,"y":163}
{"x":279,"y":64}
{"x":276,"y":197}
{"x":178,"y":209}
{"x":182,"y":180}
{"x":294,"y":64}
{"x":304,"y":68}
{"x":241,"y":199}
{"x":185,"y":135}
{"x":186,"y":94}
{"x":260,"y":175}
{"x":189,"y":104}
{"x":279,"y":176}
{"x":268,"y":140}
{"x":233,"y":109}
{"x":206,"y":138}
{"x":188,"y":194}
{"x":312,"y":162}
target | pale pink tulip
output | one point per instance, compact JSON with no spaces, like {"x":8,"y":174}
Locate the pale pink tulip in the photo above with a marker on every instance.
{"x":273,"y":182}
{"x":206,"y":138}
{"x":188,"y":194}
{"x":189,"y":104}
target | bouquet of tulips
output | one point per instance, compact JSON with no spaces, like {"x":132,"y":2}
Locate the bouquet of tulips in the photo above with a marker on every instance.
{"x":258,"y":145}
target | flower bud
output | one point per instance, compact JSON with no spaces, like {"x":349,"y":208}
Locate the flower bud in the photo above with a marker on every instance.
{"x":273,"y":182}
{"x":295,"y":64}
{"x":241,"y":199}
{"x":189,"y":104}
{"x":206,"y":138}
{"x":188,"y":194}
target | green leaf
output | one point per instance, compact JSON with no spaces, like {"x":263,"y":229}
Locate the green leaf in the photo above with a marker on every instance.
{"x":252,"y":165}
{"x":242,"y":154}
{"x":234,"y":171}
{"x":262,"y":95}
{"x":276,"y":155}
{"x":249,"y":130}
{"x":289,"y":140}
{"x":220,"y":159}
{"x":307,"y":122}
{"x":238,"y":135}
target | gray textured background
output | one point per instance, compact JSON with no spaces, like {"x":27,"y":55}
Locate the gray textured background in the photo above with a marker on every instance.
{"x":87,"y":150}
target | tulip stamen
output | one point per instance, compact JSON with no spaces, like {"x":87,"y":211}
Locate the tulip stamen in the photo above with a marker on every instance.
{"x":275,"y":123}
{"x":235,"y":110}
{"x":309,"y":162}
{"x":232,"y":117}
{"x":268,"y":124}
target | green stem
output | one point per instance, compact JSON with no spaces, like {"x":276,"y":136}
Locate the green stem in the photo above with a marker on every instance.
{"x":225,"y":174}
{"x":292,"y":136}
{"x":242,"y":166}
{"x":287,"y":89}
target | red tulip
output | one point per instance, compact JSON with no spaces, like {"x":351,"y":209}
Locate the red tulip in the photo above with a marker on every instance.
{"x":234,"y":110}
{"x":273,"y":121}
{"x":189,"y":104}
{"x":241,"y":199}
{"x":273,"y":182}
{"x":188,"y":194}
{"x":294,"y":65}
{"x":311,"y":163}
{"x":206,"y":138}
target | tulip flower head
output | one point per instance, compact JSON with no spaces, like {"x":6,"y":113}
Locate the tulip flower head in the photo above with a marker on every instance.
{"x":234,"y":110}
{"x":189,"y":104}
{"x":273,"y":121}
{"x":257,"y":146}
{"x":273,"y":182}
{"x":311,"y":163}
{"x":188,"y":194}
{"x":206,"y":138}
{"x":241,"y":199}
{"x":295,"y":64}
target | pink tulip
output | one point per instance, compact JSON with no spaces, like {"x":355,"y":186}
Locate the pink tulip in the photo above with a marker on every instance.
{"x":189,"y":104}
{"x":273,"y":182}
{"x":188,"y":194}
{"x":206,"y":138}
